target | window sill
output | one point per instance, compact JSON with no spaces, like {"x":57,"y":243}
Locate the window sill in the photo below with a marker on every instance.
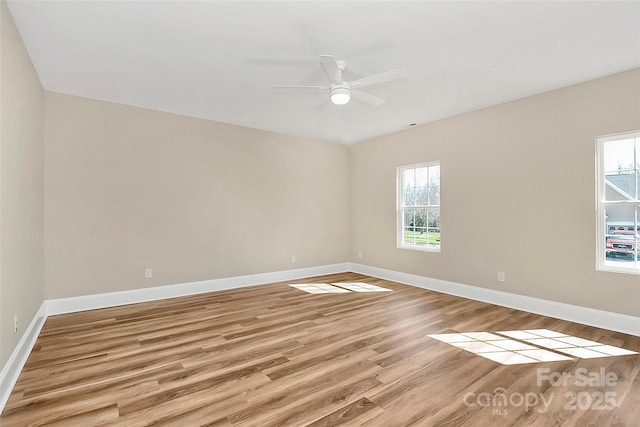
{"x":420,"y":248}
{"x":613,"y":269}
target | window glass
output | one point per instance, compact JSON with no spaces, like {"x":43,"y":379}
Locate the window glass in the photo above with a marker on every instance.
{"x":619,"y":203}
{"x":419,"y":207}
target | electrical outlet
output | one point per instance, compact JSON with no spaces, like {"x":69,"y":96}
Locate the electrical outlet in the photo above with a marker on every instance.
{"x":148,"y":273}
{"x":360,"y":255}
{"x":15,"y":323}
{"x":293,"y":259}
{"x":501,"y":276}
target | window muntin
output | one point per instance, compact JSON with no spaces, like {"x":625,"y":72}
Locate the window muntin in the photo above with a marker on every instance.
{"x":419,"y":207}
{"x":619,"y":203}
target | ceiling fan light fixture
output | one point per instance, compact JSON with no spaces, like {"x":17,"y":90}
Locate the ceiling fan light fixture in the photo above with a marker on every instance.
{"x":340,"y":95}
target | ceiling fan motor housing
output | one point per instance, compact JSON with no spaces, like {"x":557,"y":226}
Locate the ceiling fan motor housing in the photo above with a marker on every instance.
{"x":340,"y":94}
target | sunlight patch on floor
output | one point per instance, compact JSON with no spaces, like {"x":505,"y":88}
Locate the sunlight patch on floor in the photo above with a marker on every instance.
{"x":567,"y":344}
{"x":361,"y":287}
{"x":319,"y":288}
{"x":529,"y":346}
{"x":338,"y":288}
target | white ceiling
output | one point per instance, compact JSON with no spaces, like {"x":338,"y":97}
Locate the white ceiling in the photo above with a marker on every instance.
{"x":218,"y":60}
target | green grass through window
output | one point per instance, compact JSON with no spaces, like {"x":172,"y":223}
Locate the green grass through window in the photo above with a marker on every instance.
{"x":431,"y":238}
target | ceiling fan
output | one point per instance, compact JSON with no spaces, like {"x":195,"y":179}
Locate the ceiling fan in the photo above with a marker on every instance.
{"x":341,"y":91}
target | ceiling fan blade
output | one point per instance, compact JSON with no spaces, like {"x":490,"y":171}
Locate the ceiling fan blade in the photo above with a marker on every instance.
{"x":330,"y":67}
{"x":387,"y":76}
{"x":301,"y":87}
{"x":368,"y":98}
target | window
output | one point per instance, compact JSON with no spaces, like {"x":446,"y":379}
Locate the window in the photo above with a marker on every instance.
{"x":419,"y":207}
{"x":619,"y":203}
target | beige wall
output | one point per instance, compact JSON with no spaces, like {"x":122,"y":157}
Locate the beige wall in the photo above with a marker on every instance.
{"x":128,"y":188}
{"x":517,"y":195}
{"x":21,"y":187}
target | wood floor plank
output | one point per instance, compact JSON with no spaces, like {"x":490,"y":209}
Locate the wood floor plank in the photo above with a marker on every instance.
{"x":301,"y":404}
{"x":95,"y":417}
{"x":181,"y":410}
{"x":195,"y":381}
{"x":273,"y":355}
{"x":355,"y":413}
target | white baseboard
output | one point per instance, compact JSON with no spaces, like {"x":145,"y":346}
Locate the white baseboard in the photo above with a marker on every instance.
{"x":11,"y":370}
{"x":573,"y":313}
{"x":112,"y":299}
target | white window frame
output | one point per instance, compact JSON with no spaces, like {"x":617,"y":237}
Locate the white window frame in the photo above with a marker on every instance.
{"x":601,"y":204}
{"x":400,"y":208}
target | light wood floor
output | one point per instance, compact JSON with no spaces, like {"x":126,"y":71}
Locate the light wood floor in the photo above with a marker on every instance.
{"x":273,"y":355}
